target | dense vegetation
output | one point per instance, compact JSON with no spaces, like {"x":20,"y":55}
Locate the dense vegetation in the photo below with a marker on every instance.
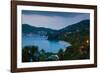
{"x":77,"y":35}
{"x":79,"y":38}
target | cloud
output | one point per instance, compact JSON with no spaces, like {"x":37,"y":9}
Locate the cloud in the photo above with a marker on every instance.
{"x":52,"y":21}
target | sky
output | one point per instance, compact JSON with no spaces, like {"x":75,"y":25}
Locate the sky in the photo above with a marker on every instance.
{"x":52,"y":20}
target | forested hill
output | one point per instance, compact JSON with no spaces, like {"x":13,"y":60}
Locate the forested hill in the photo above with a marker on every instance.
{"x":26,"y":29}
{"x":80,"y":26}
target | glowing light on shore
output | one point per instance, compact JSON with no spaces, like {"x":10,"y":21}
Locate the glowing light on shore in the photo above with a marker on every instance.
{"x":87,"y":41}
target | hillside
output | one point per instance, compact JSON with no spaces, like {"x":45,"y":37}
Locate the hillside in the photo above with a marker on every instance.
{"x":56,"y":34}
{"x":27,"y":29}
{"x":78,"y":35}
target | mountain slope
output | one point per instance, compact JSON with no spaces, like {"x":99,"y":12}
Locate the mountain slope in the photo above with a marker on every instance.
{"x":26,"y":29}
{"x":82,"y":25}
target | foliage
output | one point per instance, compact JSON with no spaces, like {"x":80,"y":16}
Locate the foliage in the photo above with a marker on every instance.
{"x":61,"y":54}
{"x":29,"y":53}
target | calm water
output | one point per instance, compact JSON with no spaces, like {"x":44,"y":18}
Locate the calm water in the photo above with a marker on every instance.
{"x":43,"y":43}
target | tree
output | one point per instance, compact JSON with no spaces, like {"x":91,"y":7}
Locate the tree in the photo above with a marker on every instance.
{"x":30,"y":53}
{"x":68,"y":53}
{"x":61,"y":54}
{"x":42,"y":55}
{"x":42,"y":51}
{"x":25,"y":54}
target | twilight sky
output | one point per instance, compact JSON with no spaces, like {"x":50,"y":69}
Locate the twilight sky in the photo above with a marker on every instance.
{"x":53,"y":20}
